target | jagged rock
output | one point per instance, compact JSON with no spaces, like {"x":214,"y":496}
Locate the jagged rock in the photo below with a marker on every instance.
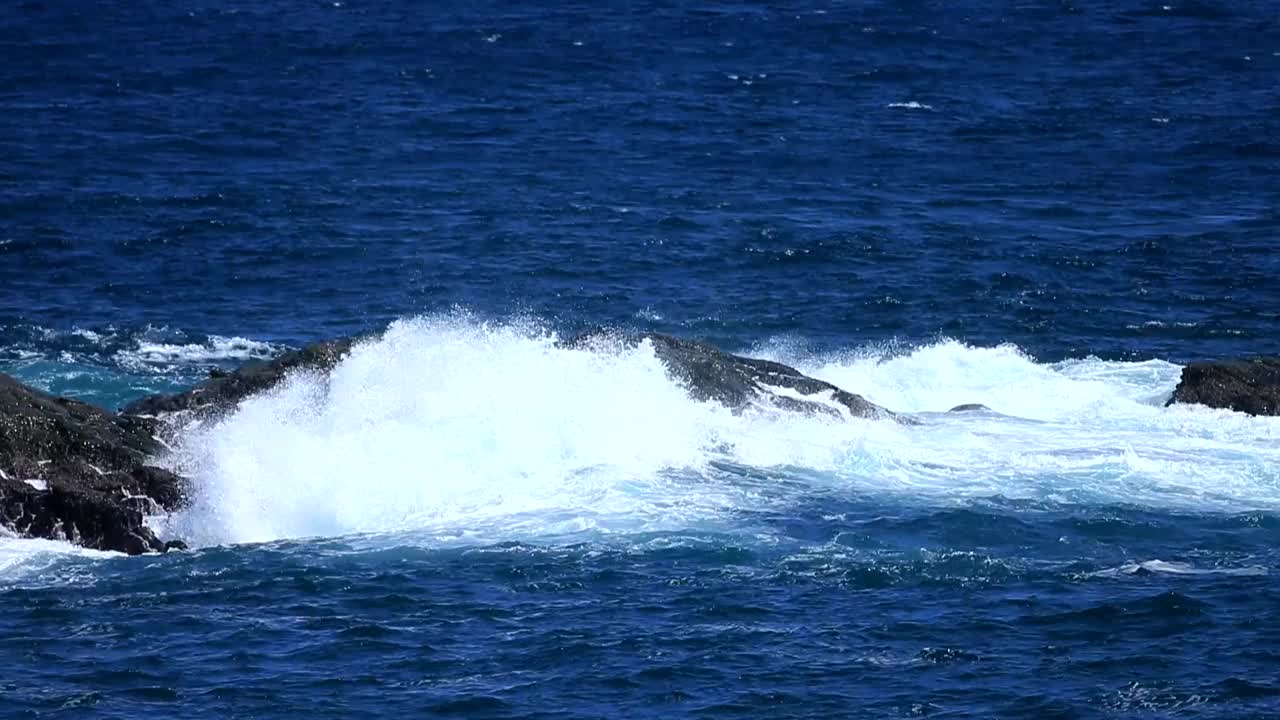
{"x":1250,"y":386}
{"x":709,"y":373}
{"x":224,"y":389}
{"x":70,"y":470}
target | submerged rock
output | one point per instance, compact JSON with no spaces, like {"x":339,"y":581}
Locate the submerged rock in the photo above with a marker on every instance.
{"x":74,"y":471}
{"x":970,"y":407}
{"x":1250,"y":386}
{"x":737,"y":382}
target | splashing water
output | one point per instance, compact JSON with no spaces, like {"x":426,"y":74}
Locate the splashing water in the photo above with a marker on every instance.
{"x":460,"y":431}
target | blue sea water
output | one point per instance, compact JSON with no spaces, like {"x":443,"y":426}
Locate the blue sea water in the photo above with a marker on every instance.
{"x":1043,"y":207}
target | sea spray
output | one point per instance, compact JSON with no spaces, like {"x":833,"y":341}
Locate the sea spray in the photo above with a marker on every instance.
{"x":462,"y":430}
{"x":451,"y":424}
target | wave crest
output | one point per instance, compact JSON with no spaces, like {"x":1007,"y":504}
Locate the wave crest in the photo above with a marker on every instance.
{"x":462,"y":430}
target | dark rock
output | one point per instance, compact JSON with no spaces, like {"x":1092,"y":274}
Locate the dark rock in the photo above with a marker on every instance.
{"x":89,"y":478}
{"x":224,"y":389}
{"x":734,"y":381}
{"x":970,"y":407}
{"x":70,"y":470}
{"x":68,"y":511}
{"x":1250,"y":386}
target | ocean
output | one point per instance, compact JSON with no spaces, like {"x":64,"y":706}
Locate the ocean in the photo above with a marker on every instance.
{"x":1047,"y":208}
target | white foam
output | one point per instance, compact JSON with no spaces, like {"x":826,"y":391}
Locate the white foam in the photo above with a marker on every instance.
{"x":446,"y":423}
{"x":1176,"y":568}
{"x":911,"y":105}
{"x":461,"y":430}
{"x":43,"y":562}
{"x":149,"y":354}
{"x":825,"y":398}
{"x":1079,"y":431}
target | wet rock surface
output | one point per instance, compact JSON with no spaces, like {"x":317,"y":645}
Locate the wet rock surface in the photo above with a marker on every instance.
{"x":1249,"y":386}
{"x":70,"y":470}
{"x":737,"y":382}
{"x":224,"y":389}
{"x":74,"y":471}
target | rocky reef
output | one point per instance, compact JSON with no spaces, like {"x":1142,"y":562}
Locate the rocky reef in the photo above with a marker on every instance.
{"x":224,"y":389}
{"x":70,"y":470}
{"x":737,"y":382}
{"x":1249,"y":386}
{"x":74,"y":471}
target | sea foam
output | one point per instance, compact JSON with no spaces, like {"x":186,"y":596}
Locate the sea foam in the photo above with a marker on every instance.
{"x":40,"y":563}
{"x":460,"y":430}
{"x":148,"y":354}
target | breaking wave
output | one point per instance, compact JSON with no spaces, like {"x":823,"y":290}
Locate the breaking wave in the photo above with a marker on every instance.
{"x":457,"y":430}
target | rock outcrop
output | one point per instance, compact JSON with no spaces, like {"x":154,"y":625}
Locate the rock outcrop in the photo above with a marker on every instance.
{"x":224,"y":389}
{"x":737,"y":382}
{"x":1250,"y":386}
{"x":70,"y":470}
{"x":75,"y":471}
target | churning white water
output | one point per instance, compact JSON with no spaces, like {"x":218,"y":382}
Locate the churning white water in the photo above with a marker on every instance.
{"x":456,"y":429}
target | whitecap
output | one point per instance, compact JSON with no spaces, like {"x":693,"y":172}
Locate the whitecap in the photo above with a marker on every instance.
{"x":148,"y":354}
{"x":42,"y":562}
{"x":1176,"y":568}
{"x":455,"y":428}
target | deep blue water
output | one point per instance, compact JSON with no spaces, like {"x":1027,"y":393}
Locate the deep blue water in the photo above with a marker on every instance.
{"x":1042,"y":207}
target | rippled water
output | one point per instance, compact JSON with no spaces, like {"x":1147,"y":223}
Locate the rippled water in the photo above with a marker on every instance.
{"x":840,"y":606}
{"x":1044,"y":209}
